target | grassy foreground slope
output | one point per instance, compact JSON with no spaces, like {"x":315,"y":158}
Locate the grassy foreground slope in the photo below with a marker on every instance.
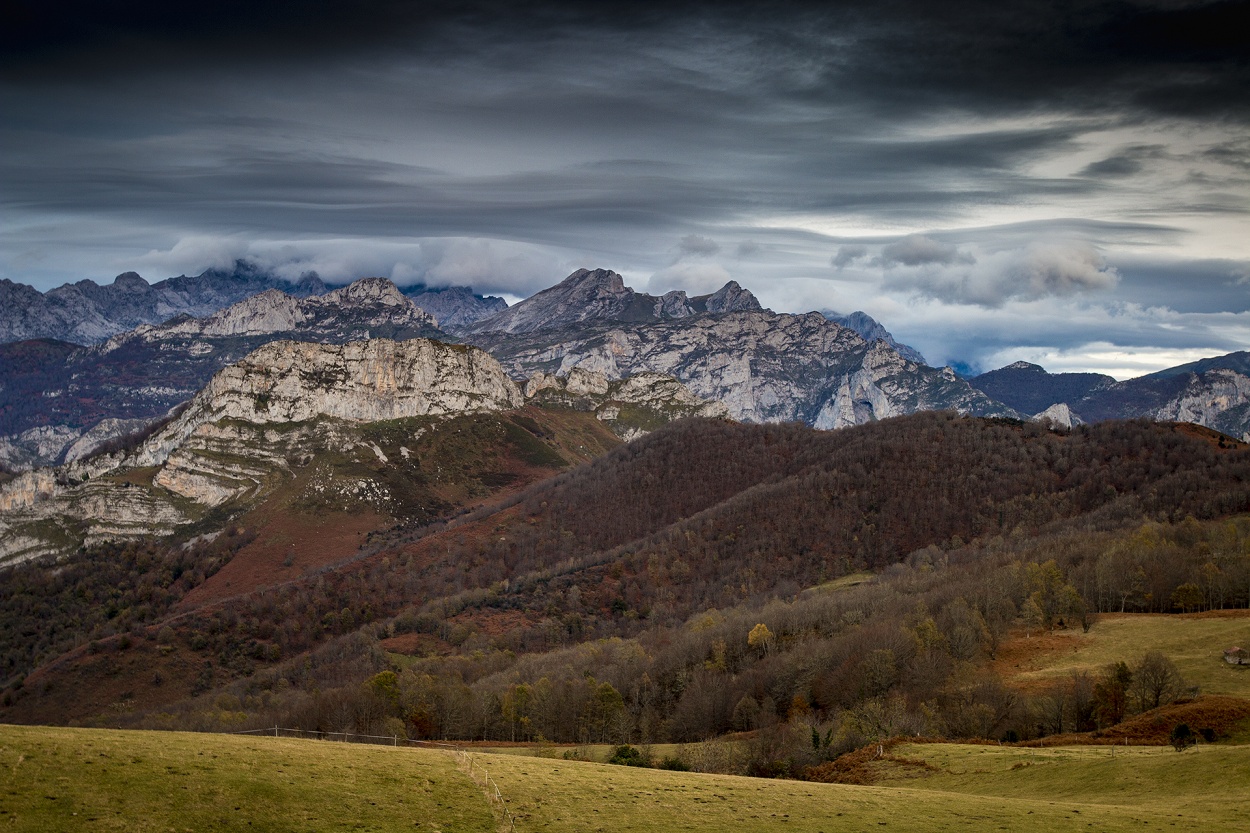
{"x":1189,"y":790}
{"x":90,"y":779}
{"x":1198,"y":791}
{"x":79,"y":779}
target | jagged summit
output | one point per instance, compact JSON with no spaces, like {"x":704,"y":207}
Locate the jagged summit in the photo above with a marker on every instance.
{"x":592,"y":295}
{"x":87,"y":313}
{"x":370,"y":307}
{"x":872,"y":330}
{"x":455,"y":307}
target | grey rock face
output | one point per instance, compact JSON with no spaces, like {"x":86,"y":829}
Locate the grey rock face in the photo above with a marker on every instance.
{"x":455,"y":307}
{"x":362,"y":381}
{"x":871,"y":330}
{"x":600,"y":295}
{"x":1218,"y":399}
{"x":141,"y":374}
{"x":239,"y":431}
{"x":631,"y":407}
{"x":87,"y":313}
{"x":1059,"y":415}
{"x":765,"y":367}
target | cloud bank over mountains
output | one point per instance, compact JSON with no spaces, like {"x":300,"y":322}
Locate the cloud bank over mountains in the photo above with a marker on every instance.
{"x":982,"y":179}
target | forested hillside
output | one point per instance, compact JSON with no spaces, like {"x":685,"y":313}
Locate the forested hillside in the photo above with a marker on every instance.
{"x":714,"y":577}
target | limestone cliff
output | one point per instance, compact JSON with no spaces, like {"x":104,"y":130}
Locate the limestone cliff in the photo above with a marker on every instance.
{"x":238,"y":434}
{"x":631,"y":407}
{"x":763,"y":366}
{"x":138,"y":376}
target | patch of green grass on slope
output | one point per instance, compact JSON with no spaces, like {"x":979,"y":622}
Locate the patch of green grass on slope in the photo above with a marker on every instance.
{"x":1201,"y":788}
{"x":88,"y":779}
{"x":1195,"y":643}
{"x":557,"y":796}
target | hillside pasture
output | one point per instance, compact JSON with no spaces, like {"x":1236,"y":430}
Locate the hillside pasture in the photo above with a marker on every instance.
{"x":70,"y":779}
{"x":1185,"y":789}
{"x":1194,"y":641}
{"x":553,"y":795}
{"x":108,"y":780}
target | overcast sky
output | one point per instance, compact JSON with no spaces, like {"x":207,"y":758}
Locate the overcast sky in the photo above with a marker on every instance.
{"x":1066,"y":183}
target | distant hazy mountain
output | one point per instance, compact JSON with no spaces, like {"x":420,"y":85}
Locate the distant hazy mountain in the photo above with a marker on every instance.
{"x":52,"y":393}
{"x":1214,"y":392}
{"x":87,"y":313}
{"x":871,"y":329}
{"x":1030,"y":389}
{"x":455,"y":307}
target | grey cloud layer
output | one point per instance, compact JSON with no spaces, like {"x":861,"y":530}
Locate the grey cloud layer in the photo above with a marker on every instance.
{"x":969,"y":154}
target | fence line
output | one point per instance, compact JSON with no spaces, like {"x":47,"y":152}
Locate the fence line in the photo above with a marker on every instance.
{"x":465,"y":758}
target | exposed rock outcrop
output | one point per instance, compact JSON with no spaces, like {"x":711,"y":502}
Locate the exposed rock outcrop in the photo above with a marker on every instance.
{"x":363,"y":381}
{"x":238,"y":434}
{"x":87,"y":313}
{"x":1218,"y":399}
{"x":600,"y":295}
{"x":871,"y":330}
{"x":764,"y":367}
{"x":631,"y":407}
{"x":140,"y":375}
{"x":1059,"y":415}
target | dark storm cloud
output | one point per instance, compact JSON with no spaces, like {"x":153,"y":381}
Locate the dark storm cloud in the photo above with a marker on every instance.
{"x":980,"y":152}
{"x":918,"y":250}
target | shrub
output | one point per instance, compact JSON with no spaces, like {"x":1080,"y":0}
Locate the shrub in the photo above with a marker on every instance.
{"x":628,"y":756}
{"x":1183,"y":737}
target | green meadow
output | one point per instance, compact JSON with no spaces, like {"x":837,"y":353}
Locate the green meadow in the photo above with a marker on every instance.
{"x":79,"y":779}
{"x":1195,"y":643}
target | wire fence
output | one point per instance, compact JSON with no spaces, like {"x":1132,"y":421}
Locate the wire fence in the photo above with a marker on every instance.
{"x":477,"y":773}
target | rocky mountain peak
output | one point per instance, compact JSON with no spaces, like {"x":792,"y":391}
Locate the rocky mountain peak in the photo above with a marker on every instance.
{"x":600,"y":295}
{"x":871,"y":330}
{"x":455,"y":307}
{"x":603,"y":282}
{"x":131,"y":282}
{"x":367,"y":290}
{"x":1033,"y":368}
{"x":731,"y":298}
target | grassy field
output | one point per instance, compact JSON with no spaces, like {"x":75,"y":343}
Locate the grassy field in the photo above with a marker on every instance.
{"x":593,"y":752}
{"x":89,"y":779}
{"x":1147,"y":788}
{"x":76,"y":779}
{"x":1189,"y":790}
{"x":1195,"y":642}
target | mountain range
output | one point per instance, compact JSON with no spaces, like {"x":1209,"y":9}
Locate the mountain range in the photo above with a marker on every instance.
{"x":59,"y":401}
{"x":1214,"y":392}
{"x":571,"y":518}
{"x":88,"y":313}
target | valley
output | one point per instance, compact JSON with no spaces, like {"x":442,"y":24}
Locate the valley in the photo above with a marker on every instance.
{"x":601,"y":517}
